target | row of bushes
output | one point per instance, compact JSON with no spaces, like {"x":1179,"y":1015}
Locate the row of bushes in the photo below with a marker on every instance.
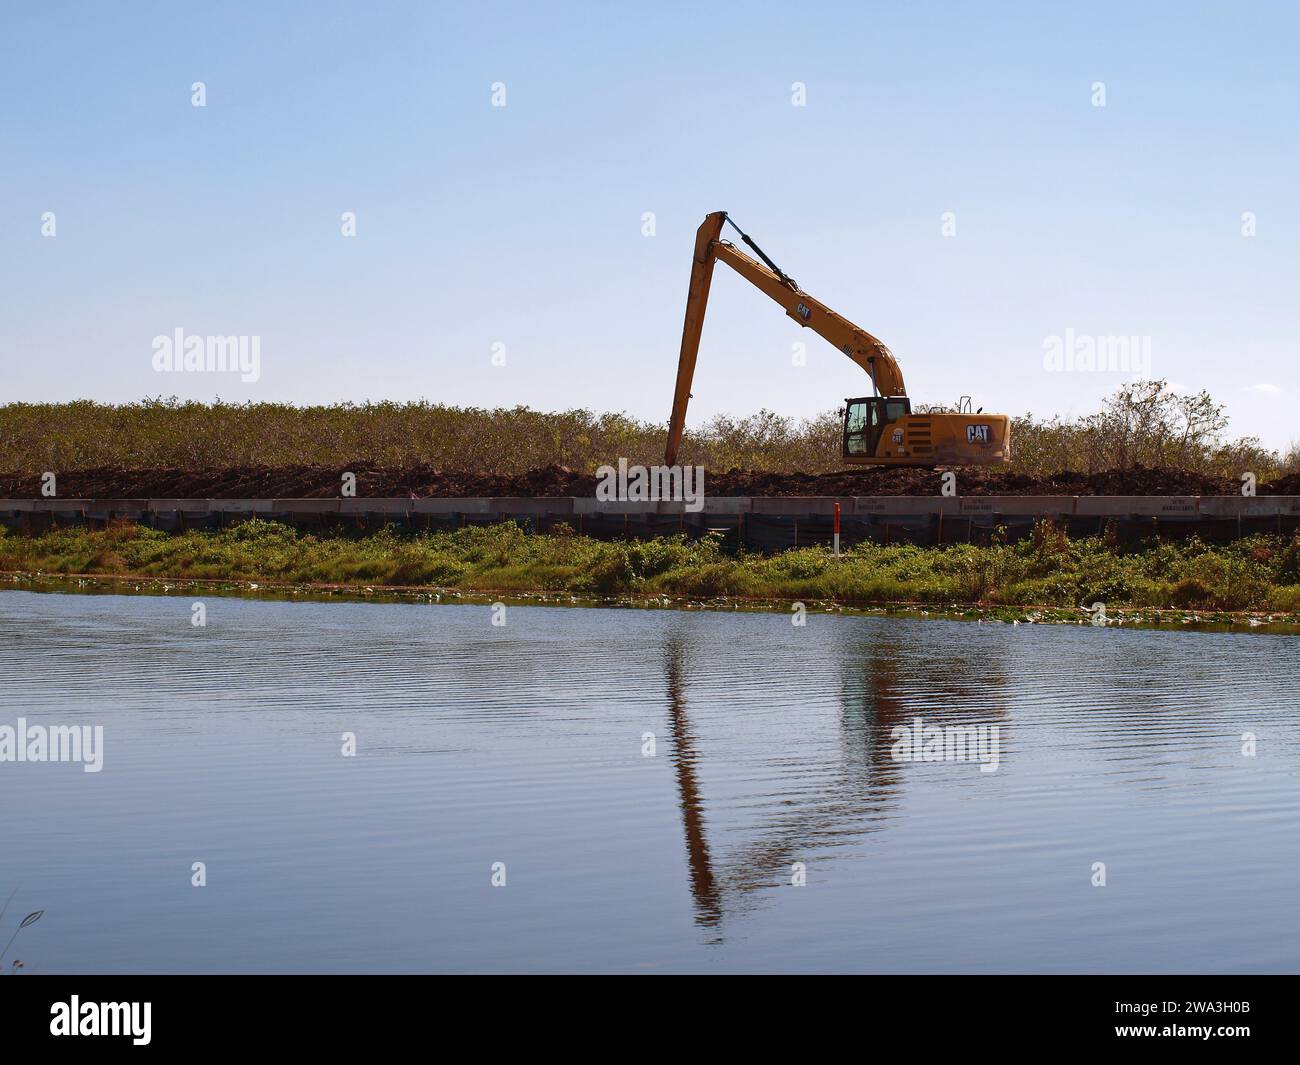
{"x":1146,"y":422}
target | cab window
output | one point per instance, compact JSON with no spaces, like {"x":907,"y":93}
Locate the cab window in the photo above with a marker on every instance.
{"x":859,"y":420}
{"x":896,"y":408}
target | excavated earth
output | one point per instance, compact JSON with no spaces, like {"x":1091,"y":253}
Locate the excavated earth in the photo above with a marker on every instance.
{"x":421,"y":481}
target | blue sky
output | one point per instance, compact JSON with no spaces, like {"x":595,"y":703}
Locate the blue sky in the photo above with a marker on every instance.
{"x":522,"y":225}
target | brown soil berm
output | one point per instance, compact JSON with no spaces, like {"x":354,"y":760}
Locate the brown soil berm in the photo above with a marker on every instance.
{"x":314,"y":482}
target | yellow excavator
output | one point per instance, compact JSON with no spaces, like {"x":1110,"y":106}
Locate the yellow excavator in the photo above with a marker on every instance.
{"x":880,"y":429}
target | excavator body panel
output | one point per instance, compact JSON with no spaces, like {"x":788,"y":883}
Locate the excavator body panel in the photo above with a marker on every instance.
{"x":883,"y":431}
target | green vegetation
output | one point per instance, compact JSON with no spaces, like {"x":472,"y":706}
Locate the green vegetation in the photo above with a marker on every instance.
{"x":1146,"y":423}
{"x":1143,"y":423}
{"x":1049,"y":569}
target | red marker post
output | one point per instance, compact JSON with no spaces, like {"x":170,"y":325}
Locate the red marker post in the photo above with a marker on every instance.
{"x":837,"y":530}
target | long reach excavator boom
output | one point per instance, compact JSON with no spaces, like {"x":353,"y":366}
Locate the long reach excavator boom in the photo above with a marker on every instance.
{"x":878,"y":429}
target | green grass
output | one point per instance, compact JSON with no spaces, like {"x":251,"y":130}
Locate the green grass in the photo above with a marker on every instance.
{"x":1260,"y":573}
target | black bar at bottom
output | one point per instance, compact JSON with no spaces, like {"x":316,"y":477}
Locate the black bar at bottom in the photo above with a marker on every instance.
{"x":384,"y":1013}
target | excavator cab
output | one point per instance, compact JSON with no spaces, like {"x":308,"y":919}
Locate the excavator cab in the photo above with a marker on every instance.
{"x":865,"y":420}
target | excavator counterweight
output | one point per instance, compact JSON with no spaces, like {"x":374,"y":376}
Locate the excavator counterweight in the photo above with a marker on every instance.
{"x":879,"y":430}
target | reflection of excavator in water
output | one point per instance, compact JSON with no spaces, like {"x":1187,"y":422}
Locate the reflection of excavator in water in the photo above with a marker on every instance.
{"x":879,"y":430}
{"x":858,"y":788}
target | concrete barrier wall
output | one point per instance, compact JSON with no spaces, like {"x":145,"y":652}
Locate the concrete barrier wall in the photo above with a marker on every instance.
{"x":795,"y":506}
{"x":761,"y":523}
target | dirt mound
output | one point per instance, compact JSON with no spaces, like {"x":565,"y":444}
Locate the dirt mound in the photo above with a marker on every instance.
{"x":1283,"y":486}
{"x":423,"y":481}
{"x":296,"y":482}
{"x":971,"y":482}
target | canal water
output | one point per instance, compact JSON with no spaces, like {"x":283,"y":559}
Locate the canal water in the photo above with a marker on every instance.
{"x":642,"y":791}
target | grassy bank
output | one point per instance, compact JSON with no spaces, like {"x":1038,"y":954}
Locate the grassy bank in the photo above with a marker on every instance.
{"x":1050,"y":570}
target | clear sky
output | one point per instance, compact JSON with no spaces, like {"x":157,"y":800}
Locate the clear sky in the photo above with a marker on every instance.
{"x":523,"y":225}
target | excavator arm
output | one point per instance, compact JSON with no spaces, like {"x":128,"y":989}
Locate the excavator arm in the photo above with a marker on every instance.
{"x":853,"y":341}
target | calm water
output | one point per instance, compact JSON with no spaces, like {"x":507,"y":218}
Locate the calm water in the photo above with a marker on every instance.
{"x":523,"y":744}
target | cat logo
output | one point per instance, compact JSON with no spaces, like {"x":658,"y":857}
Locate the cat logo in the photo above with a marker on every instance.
{"x":803,"y":311}
{"x":977,"y":434}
